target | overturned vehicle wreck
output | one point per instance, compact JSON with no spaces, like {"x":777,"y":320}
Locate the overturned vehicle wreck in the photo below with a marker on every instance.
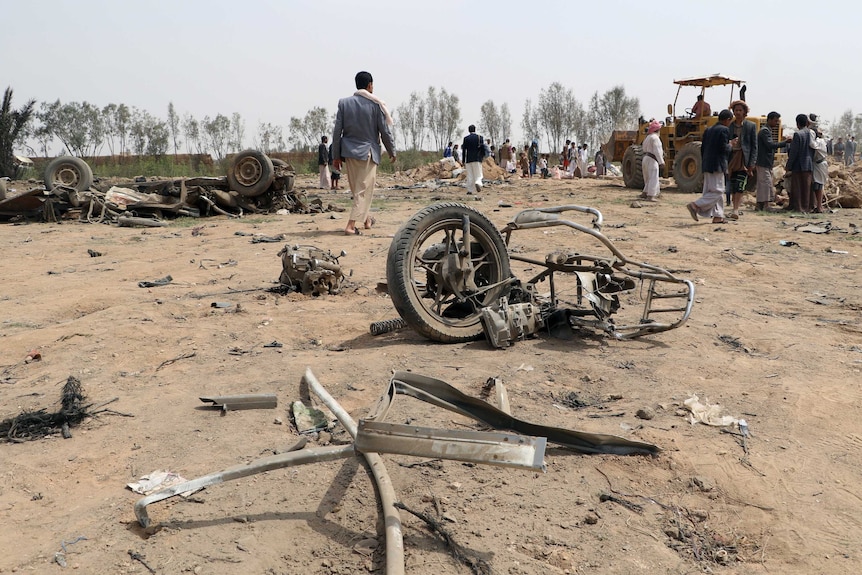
{"x":450,"y":278}
{"x":254,"y":183}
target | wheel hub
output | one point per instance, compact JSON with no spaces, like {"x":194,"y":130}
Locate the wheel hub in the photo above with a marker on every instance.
{"x":248,"y":172}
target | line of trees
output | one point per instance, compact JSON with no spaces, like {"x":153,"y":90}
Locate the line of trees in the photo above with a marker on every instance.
{"x":426,"y":120}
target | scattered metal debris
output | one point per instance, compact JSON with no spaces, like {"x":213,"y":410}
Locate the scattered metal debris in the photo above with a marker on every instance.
{"x":311,"y":270}
{"x":245,"y":401}
{"x":387,"y":326}
{"x":156,"y":283}
{"x":372,"y":433}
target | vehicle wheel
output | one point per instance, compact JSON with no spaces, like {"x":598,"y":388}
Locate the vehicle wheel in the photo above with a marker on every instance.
{"x":687,"y":168}
{"x":251,"y":173}
{"x":633,"y":174}
{"x":68,"y":171}
{"x":423,"y":275}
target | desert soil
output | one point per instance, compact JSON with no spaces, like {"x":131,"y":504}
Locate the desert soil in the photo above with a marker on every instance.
{"x":775,"y":338}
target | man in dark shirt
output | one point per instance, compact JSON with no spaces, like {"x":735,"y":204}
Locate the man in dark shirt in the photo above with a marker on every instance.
{"x":714,"y":154}
{"x":473,"y":149}
{"x":800,"y":166}
{"x":766,"y":147}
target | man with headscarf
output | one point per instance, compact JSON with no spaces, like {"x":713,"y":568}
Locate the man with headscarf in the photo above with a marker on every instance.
{"x":361,"y":122}
{"x":714,"y":151}
{"x":743,"y":155}
{"x":820,"y":171}
{"x":652,"y":161}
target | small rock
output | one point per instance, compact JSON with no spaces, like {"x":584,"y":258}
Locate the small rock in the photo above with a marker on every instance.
{"x":699,"y":514}
{"x":645,"y":413}
{"x":636,"y":205}
{"x":278,"y":421}
{"x":591,"y":519}
{"x":455,"y":486}
{"x":702,"y":483}
{"x":324,"y":438}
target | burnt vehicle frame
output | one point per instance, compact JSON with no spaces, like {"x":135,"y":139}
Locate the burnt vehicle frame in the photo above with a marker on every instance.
{"x":450,"y":279}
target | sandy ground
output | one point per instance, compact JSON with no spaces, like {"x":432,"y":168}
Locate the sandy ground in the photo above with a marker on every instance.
{"x":775,"y":337}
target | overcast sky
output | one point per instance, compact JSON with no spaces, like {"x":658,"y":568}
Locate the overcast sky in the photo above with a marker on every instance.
{"x":269,"y":60}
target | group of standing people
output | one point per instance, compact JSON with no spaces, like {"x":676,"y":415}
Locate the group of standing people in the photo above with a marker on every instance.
{"x":733,"y":150}
{"x":574,"y":157}
{"x":845,"y":150}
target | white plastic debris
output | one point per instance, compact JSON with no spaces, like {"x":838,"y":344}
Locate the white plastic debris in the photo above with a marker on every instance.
{"x":709,"y":414}
{"x":156,"y":481}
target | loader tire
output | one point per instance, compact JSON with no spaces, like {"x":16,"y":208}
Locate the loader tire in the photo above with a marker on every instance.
{"x":633,"y":174}
{"x":688,"y":168}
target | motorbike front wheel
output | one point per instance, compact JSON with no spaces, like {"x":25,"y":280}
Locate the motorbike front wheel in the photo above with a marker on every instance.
{"x":427,"y":266}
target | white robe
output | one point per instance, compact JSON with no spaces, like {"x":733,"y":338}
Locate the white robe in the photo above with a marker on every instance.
{"x":650,"y":167}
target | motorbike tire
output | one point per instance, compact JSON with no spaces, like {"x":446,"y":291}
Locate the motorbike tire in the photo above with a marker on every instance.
{"x":251,"y":173}
{"x":632,"y":167}
{"x":68,"y":171}
{"x":688,"y":168}
{"x":438,"y":315}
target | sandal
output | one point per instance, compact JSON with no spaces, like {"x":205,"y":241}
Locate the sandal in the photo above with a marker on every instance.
{"x":369,"y":223}
{"x":719,"y":221}
{"x":692,"y":209}
{"x":355,"y":232}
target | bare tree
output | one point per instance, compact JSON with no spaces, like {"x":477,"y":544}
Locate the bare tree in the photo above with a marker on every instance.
{"x":530,"y":121}
{"x":269,"y":138}
{"x":412,"y":121}
{"x":237,"y":127}
{"x":505,"y":121}
{"x":192,"y":132}
{"x":174,"y":126}
{"x":217,"y":132}
{"x":489,"y":121}
{"x":158,"y":137}
{"x":305,"y":133}
{"x":12,"y":122}
{"x":558,"y":112}
{"x":109,"y":120}
{"x":611,"y":111}
{"x":443,"y":114}
{"x":78,"y":125}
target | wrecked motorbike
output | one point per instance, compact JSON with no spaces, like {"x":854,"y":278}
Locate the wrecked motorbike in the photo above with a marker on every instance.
{"x":311,"y":270}
{"x":450,"y":279}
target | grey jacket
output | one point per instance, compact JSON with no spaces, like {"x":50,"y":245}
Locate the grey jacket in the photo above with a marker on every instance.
{"x":799,"y":158}
{"x":360,"y":125}
{"x":747,"y":140}
{"x":766,"y":147}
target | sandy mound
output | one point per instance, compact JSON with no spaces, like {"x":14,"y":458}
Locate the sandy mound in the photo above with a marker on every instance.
{"x":447,"y":169}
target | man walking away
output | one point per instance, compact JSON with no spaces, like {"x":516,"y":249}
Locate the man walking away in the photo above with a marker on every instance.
{"x":361,"y":122}
{"x":714,"y":152}
{"x":323,"y":164}
{"x":473,"y":149}
{"x":766,"y":147}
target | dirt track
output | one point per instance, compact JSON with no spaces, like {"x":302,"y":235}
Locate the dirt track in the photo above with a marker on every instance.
{"x":775,"y":337}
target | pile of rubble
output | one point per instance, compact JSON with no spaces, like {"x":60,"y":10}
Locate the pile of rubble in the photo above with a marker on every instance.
{"x":448,"y":168}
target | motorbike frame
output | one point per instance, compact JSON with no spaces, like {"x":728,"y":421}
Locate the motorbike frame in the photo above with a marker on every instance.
{"x":616,"y":262}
